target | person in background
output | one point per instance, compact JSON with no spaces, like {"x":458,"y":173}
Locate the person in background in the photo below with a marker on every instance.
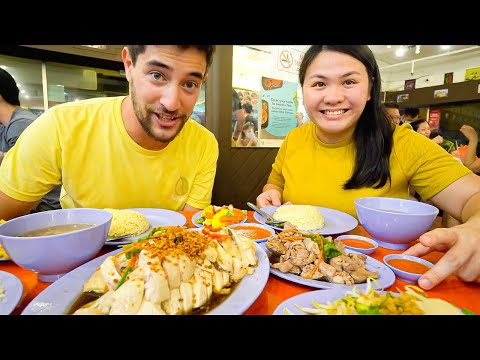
{"x":134,"y":151}
{"x":247,"y":136}
{"x":238,"y":117}
{"x":14,"y":120}
{"x":410,"y":114}
{"x":394,"y":112}
{"x":471,"y":160}
{"x":248,"y":110}
{"x":422,"y":127}
{"x":351,"y":135}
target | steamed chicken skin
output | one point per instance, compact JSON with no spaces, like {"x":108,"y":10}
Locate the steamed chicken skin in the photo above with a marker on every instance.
{"x":171,"y":271}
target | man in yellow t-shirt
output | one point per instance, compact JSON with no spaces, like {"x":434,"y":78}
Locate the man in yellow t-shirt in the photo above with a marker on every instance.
{"x":140,"y":150}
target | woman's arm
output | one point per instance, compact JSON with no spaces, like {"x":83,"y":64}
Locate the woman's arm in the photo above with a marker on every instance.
{"x":472,"y":137}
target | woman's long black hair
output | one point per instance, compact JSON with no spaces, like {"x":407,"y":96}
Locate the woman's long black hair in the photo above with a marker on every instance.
{"x":374,"y":131}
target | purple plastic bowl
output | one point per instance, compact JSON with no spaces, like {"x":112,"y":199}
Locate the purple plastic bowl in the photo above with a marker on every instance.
{"x":394,"y":223}
{"x":54,"y":255}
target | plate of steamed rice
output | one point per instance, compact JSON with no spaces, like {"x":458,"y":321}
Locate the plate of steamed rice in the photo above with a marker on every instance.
{"x":138,"y":221}
{"x":310,"y":218}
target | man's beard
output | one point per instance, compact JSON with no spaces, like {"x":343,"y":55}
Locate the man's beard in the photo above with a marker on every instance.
{"x":145,"y":120}
{"x":147,"y":124}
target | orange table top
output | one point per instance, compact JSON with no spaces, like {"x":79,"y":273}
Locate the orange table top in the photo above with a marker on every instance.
{"x":462,"y":294}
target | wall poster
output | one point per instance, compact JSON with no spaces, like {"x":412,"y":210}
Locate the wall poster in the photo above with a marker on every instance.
{"x":249,"y":97}
{"x":472,"y":74}
{"x":434,"y":118}
{"x":279,"y":108}
{"x":409,"y":84}
{"x":448,"y":78}
{"x":440,"y":93}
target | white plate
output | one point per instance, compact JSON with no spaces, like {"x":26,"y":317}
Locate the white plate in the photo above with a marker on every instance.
{"x":58,"y":298}
{"x":385,"y":279}
{"x":198,"y":214}
{"x":12,"y":291}
{"x":320,"y":296}
{"x":156,"y":217}
{"x":336,"y":222}
{"x":305,"y":300}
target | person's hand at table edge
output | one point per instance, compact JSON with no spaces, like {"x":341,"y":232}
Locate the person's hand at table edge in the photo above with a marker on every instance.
{"x":462,"y":253}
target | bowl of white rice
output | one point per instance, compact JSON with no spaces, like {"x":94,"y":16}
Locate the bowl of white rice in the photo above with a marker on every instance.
{"x":303,"y":217}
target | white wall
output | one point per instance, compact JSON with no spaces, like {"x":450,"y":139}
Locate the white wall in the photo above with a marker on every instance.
{"x":430,"y":72}
{"x":250,"y":65}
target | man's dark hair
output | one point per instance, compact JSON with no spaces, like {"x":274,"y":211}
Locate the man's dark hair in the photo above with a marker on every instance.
{"x":8,"y":88}
{"x":247,"y":107}
{"x":411,"y":111}
{"x":391,"y":105}
{"x":136,"y":50}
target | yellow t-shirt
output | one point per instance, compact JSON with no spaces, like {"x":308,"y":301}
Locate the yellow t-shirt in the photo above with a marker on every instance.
{"x":311,"y":172}
{"x":84,"y":145}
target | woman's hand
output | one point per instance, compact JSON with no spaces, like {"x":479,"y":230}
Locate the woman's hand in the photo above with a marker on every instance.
{"x":461,"y":245}
{"x":438,"y":139}
{"x":469,"y":132}
{"x":269,"y":197}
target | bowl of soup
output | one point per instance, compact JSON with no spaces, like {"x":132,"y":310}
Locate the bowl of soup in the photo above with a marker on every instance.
{"x":52,"y":243}
{"x":394,"y":223}
{"x":361,"y":244}
{"x":407,"y":267}
{"x":256,"y":232}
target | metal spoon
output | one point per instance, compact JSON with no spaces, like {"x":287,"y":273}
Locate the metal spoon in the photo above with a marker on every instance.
{"x":268,"y":218}
{"x":116,"y":238}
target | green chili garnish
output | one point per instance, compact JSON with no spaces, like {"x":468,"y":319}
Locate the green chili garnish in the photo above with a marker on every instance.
{"x":124,"y":276}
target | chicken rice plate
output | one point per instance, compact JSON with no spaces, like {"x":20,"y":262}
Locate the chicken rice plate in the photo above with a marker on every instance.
{"x":170,"y":271}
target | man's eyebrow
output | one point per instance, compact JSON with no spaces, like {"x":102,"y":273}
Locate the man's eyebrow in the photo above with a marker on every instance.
{"x":160,"y":64}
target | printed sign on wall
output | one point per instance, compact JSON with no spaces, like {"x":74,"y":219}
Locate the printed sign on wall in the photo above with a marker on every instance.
{"x":289,"y":59}
{"x":434,"y":118}
{"x":279,"y":108}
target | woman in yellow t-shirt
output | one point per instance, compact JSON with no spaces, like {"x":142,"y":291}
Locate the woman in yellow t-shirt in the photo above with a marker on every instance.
{"x":351,"y":149}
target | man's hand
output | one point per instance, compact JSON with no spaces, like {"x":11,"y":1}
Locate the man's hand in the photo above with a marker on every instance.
{"x":462,"y":257}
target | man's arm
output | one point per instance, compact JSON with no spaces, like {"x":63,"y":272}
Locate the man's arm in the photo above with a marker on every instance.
{"x":11,"y":208}
{"x":475,"y":166}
